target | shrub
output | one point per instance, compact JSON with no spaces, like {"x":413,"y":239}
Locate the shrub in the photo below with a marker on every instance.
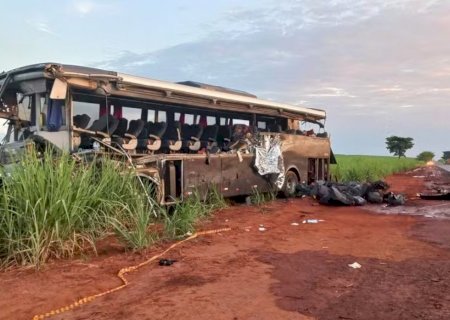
{"x":425,"y":156}
{"x":56,"y":207}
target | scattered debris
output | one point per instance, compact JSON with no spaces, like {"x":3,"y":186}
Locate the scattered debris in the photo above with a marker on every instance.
{"x":352,"y":193}
{"x":166,"y":262}
{"x":355,"y":265}
{"x":262,"y":228}
{"x":312,"y":221}
{"x":294,"y":224}
{"x":436,"y":196}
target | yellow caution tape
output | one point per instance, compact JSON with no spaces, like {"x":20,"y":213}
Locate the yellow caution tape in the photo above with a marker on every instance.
{"x":121,"y":275}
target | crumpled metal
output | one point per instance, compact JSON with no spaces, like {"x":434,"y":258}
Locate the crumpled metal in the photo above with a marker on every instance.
{"x":269,"y":159}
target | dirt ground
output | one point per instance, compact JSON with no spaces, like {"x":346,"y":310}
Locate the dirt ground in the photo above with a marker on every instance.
{"x":285,"y":272}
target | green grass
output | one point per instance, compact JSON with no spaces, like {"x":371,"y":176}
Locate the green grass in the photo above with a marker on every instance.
{"x":369,"y":168}
{"x":259,"y":198}
{"x":182,"y":218}
{"x":57,"y":208}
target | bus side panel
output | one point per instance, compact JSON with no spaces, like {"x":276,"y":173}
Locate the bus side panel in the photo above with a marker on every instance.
{"x":240,"y":177}
{"x":298,"y":151}
{"x":200,"y":174}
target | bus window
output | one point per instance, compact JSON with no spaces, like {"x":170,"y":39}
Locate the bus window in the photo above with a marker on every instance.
{"x":151,"y":115}
{"x":210,"y":120}
{"x":262,"y":125}
{"x":89,"y":108}
{"x":131,"y":113}
{"x":188,"y":118}
{"x":24,"y":107}
{"x":162,"y":116}
{"x":241,"y":121}
{"x":223,"y":121}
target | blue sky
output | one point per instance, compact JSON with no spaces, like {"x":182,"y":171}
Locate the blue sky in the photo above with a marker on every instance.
{"x":377,"y":67}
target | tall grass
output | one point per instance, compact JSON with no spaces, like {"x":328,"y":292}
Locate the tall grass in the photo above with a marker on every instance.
{"x":259,"y":198}
{"x":182,"y":218}
{"x":369,"y":168}
{"x":55,"y":208}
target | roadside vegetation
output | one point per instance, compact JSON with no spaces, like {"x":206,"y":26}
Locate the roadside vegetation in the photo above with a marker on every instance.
{"x":54,"y":208}
{"x":369,"y":168}
{"x":425,"y":156}
{"x":259,"y":198}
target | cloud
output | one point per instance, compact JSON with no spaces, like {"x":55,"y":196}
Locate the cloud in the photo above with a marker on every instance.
{"x":330,"y":92}
{"x":88,"y":7}
{"x":84,"y":7}
{"x":41,"y":26}
{"x":373,"y":65}
{"x":389,"y":89}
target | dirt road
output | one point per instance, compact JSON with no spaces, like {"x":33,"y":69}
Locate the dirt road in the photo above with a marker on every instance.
{"x":285,"y":272}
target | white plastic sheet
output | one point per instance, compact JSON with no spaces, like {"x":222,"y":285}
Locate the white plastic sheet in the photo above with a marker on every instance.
{"x":269,"y":159}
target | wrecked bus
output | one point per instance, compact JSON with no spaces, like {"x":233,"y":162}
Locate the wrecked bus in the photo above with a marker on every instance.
{"x":180,"y":137}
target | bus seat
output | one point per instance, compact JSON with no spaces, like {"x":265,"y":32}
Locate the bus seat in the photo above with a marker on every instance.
{"x":209,"y":136}
{"x":121,"y":128}
{"x":142,"y":140}
{"x":155,"y":131}
{"x":224,"y":137}
{"x":191,"y":134}
{"x":171,"y":139}
{"x":81,"y":121}
{"x":131,"y":136}
{"x":275,"y":127}
{"x":106,"y":124}
{"x":102,"y":127}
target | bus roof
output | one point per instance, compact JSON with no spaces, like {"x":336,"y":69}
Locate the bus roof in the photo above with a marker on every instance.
{"x":186,"y":89}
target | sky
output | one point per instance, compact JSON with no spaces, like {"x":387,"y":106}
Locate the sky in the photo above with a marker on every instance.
{"x":378,"y":67}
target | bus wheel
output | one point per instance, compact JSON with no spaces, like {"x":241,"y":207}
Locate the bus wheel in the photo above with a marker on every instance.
{"x":290,"y":182}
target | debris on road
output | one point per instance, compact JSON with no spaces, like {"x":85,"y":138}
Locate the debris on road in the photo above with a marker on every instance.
{"x":312,"y":221}
{"x":348,"y":194}
{"x":262,"y":228}
{"x":166,"y":262}
{"x":294,"y":224}
{"x":435,"y":196}
{"x":355,"y":265}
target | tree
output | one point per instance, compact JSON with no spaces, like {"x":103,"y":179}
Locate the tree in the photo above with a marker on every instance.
{"x":399,"y":145}
{"x":425,"y":156}
{"x":446,"y":156}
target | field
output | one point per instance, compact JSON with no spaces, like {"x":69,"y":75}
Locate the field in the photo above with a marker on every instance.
{"x":369,"y":168}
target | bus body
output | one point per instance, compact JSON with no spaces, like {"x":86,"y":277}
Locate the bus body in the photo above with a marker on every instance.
{"x":161,"y":128}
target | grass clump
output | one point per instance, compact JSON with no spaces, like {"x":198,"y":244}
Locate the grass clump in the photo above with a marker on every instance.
{"x":259,"y":198}
{"x":369,"y":168}
{"x":180,"y":219}
{"x":56,"y":208}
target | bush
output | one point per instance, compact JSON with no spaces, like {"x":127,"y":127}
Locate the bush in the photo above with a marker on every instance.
{"x":425,"y":156}
{"x":55,"y":208}
{"x":181,"y":219}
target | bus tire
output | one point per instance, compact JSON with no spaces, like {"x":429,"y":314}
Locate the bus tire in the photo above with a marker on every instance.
{"x":290,"y":182}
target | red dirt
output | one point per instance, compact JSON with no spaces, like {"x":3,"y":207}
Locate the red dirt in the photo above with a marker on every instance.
{"x":285,"y":272}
